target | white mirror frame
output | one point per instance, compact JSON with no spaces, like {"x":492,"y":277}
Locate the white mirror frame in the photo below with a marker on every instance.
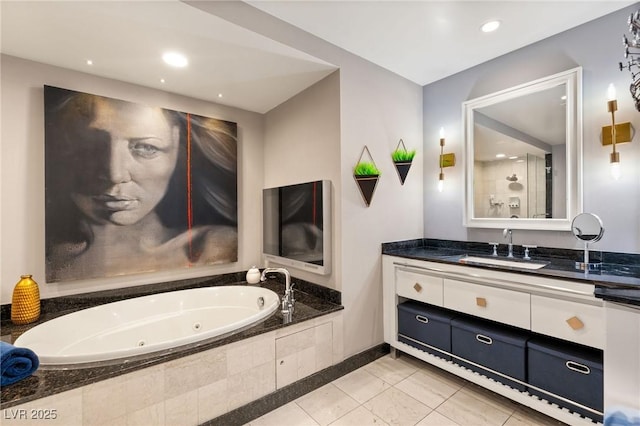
{"x":573,"y":80}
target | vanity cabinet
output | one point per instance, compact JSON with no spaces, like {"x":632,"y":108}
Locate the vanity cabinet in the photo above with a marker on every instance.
{"x":497,"y":304}
{"x":535,"y":305}
{"x":414,"y":284}
{"x":577,"y":322}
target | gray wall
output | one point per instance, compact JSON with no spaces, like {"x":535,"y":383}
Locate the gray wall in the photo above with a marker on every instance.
{"x":596,"y":47}
{"x":301,"y":144}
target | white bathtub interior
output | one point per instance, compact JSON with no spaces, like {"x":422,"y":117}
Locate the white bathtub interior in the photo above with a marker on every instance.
{"x":148,"y":324}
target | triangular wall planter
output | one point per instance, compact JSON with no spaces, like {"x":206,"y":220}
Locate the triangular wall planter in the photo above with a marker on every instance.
{"x":367,"y":186}
{"x":402,"y":160}
{"x":403,"y":170}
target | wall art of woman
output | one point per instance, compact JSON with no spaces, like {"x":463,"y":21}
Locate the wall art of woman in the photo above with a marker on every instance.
{"x":132,"y":188}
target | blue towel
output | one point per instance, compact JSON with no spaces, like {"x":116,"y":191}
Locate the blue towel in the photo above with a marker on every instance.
{"x":16,"y":363}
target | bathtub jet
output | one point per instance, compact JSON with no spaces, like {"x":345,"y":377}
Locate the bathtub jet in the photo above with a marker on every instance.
{"x":148,"y":324}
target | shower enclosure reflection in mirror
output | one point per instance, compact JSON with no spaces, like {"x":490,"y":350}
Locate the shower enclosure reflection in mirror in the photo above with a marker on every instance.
{"x":533,"y":132}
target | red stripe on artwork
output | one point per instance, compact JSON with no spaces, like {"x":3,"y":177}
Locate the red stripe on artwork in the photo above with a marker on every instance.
{"x":314,"y":203}
{"x":189,"y":195}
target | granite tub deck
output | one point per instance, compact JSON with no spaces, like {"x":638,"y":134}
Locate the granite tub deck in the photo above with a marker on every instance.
{"x":618,"y":281}
{"x":312,"y":301}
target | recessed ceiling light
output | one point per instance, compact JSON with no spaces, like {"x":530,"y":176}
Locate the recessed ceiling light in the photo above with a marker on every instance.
{"x":515,"y":157}
{"x":89,"y":62}
{"x":219,"y":95}
{"x":500,"y":155}
{"x":162,"y":80}
{"x":490,"y":26}
{"x":175,"y":59}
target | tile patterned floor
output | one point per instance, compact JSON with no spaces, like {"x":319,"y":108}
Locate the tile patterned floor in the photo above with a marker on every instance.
{"x":402,"y":391}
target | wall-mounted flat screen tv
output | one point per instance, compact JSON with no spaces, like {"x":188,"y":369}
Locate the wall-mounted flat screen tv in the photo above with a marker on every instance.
{"x":297,"y":226}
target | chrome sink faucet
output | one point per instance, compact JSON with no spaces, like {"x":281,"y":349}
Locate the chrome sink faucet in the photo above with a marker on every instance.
{"x":287,"y":301}
{"x":508,"y":233}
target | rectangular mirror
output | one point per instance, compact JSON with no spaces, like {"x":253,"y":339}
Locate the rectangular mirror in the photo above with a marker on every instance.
{"x":297,"y":226}
{"x":523,"y":155}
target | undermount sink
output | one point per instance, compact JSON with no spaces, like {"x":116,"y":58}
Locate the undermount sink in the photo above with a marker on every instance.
{"x":502,"y":262}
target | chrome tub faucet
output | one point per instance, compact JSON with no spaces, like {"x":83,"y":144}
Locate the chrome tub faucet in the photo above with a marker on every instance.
{"x":288,"y":300}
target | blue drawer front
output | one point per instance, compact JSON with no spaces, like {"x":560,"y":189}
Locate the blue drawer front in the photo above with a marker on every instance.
{"x":571,"y":371}
{"x":427,"y":324}
{"x":500,"y":349}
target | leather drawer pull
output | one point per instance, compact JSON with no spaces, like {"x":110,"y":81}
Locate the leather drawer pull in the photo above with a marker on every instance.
{"x":484,"y":339}
{"x":580,"y":368}
{"x":481,"y":301}
{"x":422,"y":319}
{"x":417,"y":287}
{"x":575,"y":323}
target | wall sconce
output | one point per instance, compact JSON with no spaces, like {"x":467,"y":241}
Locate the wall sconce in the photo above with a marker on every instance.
{"x":446,"y":160}
{"x":616,"y":133}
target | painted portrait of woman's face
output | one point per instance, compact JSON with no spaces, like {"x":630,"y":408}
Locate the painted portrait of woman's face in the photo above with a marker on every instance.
{"x":128,"y":153}
{"x":134,"y":188}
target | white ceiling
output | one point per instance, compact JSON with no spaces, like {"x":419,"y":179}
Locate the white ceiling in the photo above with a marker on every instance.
{"x":126,"y":40}
{"x":427,"y":40}
{"x":421,"y":40}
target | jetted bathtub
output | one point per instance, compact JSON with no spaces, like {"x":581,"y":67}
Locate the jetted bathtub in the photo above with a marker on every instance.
{"x":148,"y":324}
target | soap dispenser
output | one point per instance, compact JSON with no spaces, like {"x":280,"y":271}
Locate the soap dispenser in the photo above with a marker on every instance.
{"x":253,"y":275}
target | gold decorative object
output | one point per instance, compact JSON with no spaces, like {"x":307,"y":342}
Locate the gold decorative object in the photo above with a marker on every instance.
{"x":25,"y":303}
{"x":610,"y":135}
{"x":417,"y":287}
{"x":445,"y":160}
{"x":481,"y":301}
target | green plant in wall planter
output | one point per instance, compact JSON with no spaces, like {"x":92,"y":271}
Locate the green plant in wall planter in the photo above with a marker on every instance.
{"x":402,"y":160}
{"x":366,"y":168}
{"x":366,"y":174}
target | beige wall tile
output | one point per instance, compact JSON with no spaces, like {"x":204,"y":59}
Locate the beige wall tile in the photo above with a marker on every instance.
{"x":104,"y":401}
{"x":213,"y":400}
{"x":152,"y":415}
{"x":248,"y":385}
{"x":263,"y":349}
{"x":182,"y":410}
{"x":189,"y":373}
{"x":144,"y":388}
{"x":61,"y":409}
{"x":239,"y":357}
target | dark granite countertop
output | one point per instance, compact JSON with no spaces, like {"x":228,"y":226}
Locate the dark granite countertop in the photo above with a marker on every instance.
{"x":311,"y":301}
{"x":618,"y":280}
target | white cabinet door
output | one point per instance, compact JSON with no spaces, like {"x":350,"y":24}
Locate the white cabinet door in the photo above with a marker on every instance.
{"x":573,"y":321}
{"x":506,"y":306}
{"x":418,"y":286}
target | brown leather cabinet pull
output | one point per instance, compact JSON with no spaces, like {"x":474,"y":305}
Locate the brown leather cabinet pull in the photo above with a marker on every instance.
{"x":575,"y":323}
{"x":417,"y":287}
{"x":481,"y":301}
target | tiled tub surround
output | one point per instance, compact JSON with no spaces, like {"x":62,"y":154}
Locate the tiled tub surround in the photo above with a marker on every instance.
{"x":187,"y":385}
{"x":618,"y":281}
